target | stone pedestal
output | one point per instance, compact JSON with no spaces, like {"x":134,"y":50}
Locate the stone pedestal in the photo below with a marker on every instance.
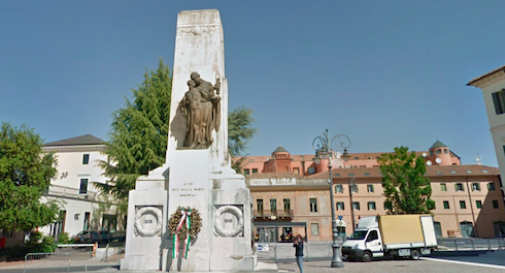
{"x":146,"y":230}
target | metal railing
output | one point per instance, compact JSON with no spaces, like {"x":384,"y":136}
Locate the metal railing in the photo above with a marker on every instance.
{"x":71,"y":192}
{"x":36,"y":261}
{"x":76,"y":256}
{"x":467,"y":244}
{"x":276,"y":213}
{"x":323,"y":250}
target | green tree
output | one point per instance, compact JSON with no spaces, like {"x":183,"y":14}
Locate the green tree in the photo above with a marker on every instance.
{"x":406,"y":189}
{"x":25,"y":174}
{"x":138,"y":136}
{"x":240,"y":131}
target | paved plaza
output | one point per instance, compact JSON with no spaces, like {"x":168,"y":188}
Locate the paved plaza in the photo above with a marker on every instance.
{"x":391,"y":266}
{"x":488,"y":263}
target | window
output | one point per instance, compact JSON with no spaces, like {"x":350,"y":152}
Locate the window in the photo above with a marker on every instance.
{"x":254,"y":170}
{"x":372,"y":236}
{"x":446,"y":205}
{"x":339,"y":189}
{"x":273,"y":204}
{"x":85,"y":159}
{"x":495,"y":204}
{"x":367,"y":174}
{"x":371,"y":205}
{"x":354,"y":188}
{"x":462,"y":204}
{"x":439,"y":172}
{"x":446,"y":151}
{"x":296,"y":170}
{"x":431,"y":205}
{"x":468,"y":171}
{"x":314,"y":229}
{"x":475,"y":187}
{"x":388,"y":206}
{"x":84,"y":186}
{"x":246,"y":171}
{"x":87,"y":216}
{"x":259,"y":204}
{"x":287,"y":204}
{"x":499,"y":102}
{"x":355,"y":205}
{"x":478,"y":204}
{"x":340,"y":206}
{"x":311,"y":170}
{"x":453,"y":172}
{"x":438,"y":151}
{"x":370,"y":188}
{"x":490,"y":186}
{"x":431,"y":152}
{"x":443,"y":187}
{"x":313,"y":204}
{"x":459,"y":187}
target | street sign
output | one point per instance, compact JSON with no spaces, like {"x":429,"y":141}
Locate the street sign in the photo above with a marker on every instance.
{"x":340,"y":217}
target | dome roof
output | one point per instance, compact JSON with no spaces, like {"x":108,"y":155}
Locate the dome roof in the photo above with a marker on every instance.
{"x":280,"y":149}
{"x":438,"y":144}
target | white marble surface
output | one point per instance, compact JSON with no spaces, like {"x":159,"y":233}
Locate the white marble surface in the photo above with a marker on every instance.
{"x":201,"y":179}
{"x":143,"y":253}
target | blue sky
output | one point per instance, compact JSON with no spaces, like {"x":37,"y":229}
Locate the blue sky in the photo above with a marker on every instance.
{"x":385,"y":73}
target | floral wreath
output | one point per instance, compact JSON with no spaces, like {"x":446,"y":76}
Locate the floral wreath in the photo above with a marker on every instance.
{"x":185,"y":223}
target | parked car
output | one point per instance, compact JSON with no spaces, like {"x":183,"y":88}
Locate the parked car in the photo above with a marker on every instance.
{"x":87,"y":237}
{"x":119,"y":236}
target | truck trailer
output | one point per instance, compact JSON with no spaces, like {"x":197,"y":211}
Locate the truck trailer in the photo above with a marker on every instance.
{"x":408,"y":236}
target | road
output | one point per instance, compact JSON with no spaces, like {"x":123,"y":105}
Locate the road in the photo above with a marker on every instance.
{"x":490,"y":263}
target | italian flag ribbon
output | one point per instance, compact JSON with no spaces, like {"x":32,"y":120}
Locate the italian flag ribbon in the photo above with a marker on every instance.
{"x":185,"y":219}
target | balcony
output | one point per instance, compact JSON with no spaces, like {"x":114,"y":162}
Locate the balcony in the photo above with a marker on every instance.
{"x":273,"y":214}
{"x":62,"y":191}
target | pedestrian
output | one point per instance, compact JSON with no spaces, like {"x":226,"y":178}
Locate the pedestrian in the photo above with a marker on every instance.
{"x":298,"y":244}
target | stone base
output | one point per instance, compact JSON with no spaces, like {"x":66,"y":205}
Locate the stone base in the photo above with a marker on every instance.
{"x":146,"y":236}
{"x":141,"y":263}
{"x":236,"y":264}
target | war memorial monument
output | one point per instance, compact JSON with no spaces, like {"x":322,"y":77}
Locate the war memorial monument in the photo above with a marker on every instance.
{"x":193,"y":214}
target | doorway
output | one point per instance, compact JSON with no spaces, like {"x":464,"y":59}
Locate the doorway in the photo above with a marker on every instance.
{"x":438,"y":229}
{"x":466,"y":228}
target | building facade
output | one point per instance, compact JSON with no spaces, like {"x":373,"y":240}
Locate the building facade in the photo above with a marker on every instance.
{"x":468,"y":199}
{"x":74,"y":186}
{"x":492,"y":85}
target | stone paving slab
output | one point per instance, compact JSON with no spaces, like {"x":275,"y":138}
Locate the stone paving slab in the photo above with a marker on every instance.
{"x":392,"y":266}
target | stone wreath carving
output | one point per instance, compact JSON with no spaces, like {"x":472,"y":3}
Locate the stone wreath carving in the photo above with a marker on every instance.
{"x":235,"y":211}
{"x":140,"y":230}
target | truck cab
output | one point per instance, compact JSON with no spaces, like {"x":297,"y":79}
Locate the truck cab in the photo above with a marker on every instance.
{"x":365,"y":242}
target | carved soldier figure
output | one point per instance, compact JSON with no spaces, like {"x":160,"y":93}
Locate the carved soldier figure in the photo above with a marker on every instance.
{"x":201,"y":106}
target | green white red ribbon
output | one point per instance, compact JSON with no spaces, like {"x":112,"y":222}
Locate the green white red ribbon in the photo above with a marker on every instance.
{"x":186,"y":218}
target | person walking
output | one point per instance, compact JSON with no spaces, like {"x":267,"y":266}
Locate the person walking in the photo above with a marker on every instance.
{"x":298,"y":244}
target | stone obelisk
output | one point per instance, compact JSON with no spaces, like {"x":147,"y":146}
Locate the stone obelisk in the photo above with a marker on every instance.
{"x":197,"y":172}
{"x":202,"y":177}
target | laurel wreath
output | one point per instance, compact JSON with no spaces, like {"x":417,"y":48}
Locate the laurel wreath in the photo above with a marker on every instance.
{"x":196,"y":223}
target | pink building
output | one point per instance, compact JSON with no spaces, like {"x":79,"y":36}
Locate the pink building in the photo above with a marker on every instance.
{"x":291,"y":194}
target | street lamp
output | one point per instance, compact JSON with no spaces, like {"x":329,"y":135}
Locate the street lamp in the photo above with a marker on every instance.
{"x":352,"y":185}
{"x":323,"y":147}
